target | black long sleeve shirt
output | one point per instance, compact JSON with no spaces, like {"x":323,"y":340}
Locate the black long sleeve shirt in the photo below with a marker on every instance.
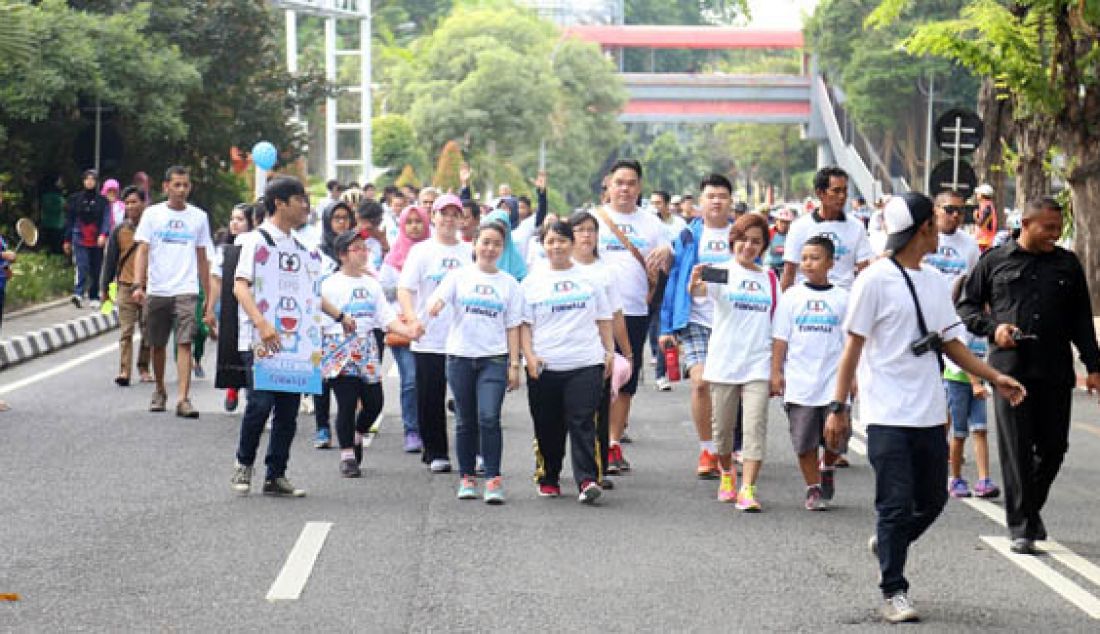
{"x":1043,"y":294}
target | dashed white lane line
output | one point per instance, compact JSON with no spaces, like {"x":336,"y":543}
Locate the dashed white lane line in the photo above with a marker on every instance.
{"x":54,"y":371}
{"x":292,"y":578}
{"x":1053,"y":579}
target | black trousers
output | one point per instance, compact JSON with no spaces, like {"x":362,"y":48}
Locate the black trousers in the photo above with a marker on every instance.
{"x":561,"y":403}
{"x":603,"y":427}
{"x":350,"y":392}
{"x":322,"y":404}
{"x":431,"y":396}
{"x":1032,"y":439}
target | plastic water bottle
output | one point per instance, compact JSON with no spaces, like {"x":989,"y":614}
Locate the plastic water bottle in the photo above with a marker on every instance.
{"x":672,"y":362}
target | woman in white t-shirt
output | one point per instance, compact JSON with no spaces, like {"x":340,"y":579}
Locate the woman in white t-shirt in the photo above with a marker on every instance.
{"x":428,"y":264}
{"x":351,"y":364}
{"x":586,"y":234}
{"x":738,"y":365}
{"x":567,"y":344}
{"x":412,"y":227}
{"x":336,"y":218}
{"x":482,"y":356}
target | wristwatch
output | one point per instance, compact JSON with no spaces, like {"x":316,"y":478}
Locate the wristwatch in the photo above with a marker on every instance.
{"x":836,"y":407}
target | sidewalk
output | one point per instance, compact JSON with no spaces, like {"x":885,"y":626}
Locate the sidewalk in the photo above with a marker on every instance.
{"x":39,"y":330}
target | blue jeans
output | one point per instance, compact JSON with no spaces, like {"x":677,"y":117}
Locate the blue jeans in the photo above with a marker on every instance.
{"x":261,"y":403}
{"x":88,"y":262}
{"x":478,"y":385}
{"x":406,"y":367}
{"x":910,"y":466}
{"x":967,"y":413}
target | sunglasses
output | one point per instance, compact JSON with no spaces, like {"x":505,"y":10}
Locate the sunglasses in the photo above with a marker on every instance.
{"x":954,"y":209}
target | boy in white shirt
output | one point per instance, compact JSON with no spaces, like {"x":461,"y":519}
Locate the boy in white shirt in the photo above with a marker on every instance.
{"x":807,"y":341}
{"x":901,"y":313}
{"x":173,"y":242}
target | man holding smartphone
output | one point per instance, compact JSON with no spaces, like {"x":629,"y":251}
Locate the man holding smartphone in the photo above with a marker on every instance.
{"x":1030,"y":298}
{"x":901,"y":313}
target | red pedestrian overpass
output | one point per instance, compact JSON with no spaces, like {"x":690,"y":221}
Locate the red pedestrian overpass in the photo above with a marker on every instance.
{"x":702,"y":98}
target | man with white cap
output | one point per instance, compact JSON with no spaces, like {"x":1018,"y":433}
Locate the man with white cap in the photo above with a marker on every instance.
{"x":900,"y":312}
{"x":985,"y":216}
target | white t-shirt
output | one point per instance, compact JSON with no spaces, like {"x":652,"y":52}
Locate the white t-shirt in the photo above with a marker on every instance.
{"x":673,"y":227}
{"x":375,"y":254}
{"x":309,"y":235}
{"x":849,"y":238}
{"x":896,"y":387}
{"x":740,"y":348}
{"x":562,"y":308}
{"x":522,"y":234}
{"x":362,"y":298}
{"x":714,"y":248}
{"x":389,"y":225}
{"x":426,"y":265}
{"x":484,"y":306}
{"x":810,"y":321}
{"x":535,"y":254}
{"x":646,"y":232}
{"x":956,"y":255}
{"x":601,"y":276}
{"x":173,"y":237}
{"x":246,"y":267}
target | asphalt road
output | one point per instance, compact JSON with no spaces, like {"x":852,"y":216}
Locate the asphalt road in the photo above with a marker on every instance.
{"x":116,"y":519}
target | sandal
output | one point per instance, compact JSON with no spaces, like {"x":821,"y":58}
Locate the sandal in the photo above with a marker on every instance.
{"x":122,"y":381}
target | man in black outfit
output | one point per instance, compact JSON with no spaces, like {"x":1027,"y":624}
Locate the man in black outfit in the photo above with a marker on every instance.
{"x":1029,"y":297}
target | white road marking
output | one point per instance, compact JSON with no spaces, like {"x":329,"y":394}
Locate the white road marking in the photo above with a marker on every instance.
{"x":299,"y":563}
{"x":1053,"y":579}
{"x":54,"y":371}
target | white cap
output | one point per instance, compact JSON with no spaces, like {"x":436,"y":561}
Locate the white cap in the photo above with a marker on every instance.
{"x":985,"y":189}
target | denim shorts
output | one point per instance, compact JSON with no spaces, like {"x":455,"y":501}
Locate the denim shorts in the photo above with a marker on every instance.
{"x":967,"y":412}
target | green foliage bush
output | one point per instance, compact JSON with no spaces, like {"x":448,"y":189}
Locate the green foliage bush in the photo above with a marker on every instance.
{"x":38,"y":277}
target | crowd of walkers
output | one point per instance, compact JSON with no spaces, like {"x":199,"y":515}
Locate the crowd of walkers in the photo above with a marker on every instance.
{"x":475,"y":300}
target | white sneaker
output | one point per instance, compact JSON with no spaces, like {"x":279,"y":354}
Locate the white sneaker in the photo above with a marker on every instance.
{"x":440,"y":465}
{"x":663,"y":385}
{"x":95,"y":304}
{"x":899,"y":609}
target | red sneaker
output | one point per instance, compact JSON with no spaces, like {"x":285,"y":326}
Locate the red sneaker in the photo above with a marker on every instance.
{"x":708,"y":465}
{"x":549,"y":491}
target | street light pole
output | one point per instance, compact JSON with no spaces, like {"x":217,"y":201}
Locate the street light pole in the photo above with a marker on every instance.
{"x":928,"y":135}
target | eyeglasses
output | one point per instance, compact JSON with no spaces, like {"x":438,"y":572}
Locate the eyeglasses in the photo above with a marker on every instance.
{"x":953,"y":209}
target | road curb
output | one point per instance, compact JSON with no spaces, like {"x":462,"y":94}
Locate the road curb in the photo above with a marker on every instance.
{"x":37,"y":308}
{"x":23,"y":348}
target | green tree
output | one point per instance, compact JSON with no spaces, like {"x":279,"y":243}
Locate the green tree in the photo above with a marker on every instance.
{"x":499,"y":80}
{"x":15,"y":42}
{"x":669,"y":165}
{"x":881,"y":82}
{"x":1046,"y":55}
{"x":760,"y":154}
{"x":393,"y":142}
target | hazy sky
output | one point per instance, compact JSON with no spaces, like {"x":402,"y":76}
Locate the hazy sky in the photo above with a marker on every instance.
{"x":779,"y":14}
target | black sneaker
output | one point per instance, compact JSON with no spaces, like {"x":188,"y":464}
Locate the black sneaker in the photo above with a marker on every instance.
{"x":350,"y":468}
{"x":282,"y":487}
{"x":358,"y":454}
{"x":1023,"y":546}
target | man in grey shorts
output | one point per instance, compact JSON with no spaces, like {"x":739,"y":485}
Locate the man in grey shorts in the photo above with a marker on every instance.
{"x":173,"y":238}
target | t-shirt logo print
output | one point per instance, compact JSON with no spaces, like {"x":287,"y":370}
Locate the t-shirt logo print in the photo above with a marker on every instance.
{"x":750,"y":295}
{"x":174,"y":232}
{"x":288,"y":317}
{"x":564,"y":286}
{"x":817,"y":316}
{"x":838,"y":244}
{"x":715,"y":246}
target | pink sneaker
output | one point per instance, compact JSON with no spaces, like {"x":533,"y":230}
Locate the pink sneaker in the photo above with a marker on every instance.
{"x":727,"y":488}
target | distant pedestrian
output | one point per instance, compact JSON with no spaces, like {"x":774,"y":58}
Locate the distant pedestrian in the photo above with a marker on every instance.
{"x":240,"y":222}
{"x":174,"y":238}
{"x":119,"y":267}
{"x":111,"y":192}
{"x":87,"y":225}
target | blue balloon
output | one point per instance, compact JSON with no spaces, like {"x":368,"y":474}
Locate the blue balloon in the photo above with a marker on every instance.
{"x":264,"y":155}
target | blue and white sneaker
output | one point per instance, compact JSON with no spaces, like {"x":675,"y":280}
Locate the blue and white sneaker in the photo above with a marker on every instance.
{"x":467,"y":488}
{"x":322,"y":439}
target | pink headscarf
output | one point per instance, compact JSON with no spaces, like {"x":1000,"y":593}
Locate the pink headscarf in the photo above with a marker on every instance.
{"x":400,"y":249}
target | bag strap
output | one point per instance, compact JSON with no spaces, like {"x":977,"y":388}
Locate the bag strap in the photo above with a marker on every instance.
{"x":271,"y":241}
{"x":619,"y":234}
{"x":916,"y":302}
